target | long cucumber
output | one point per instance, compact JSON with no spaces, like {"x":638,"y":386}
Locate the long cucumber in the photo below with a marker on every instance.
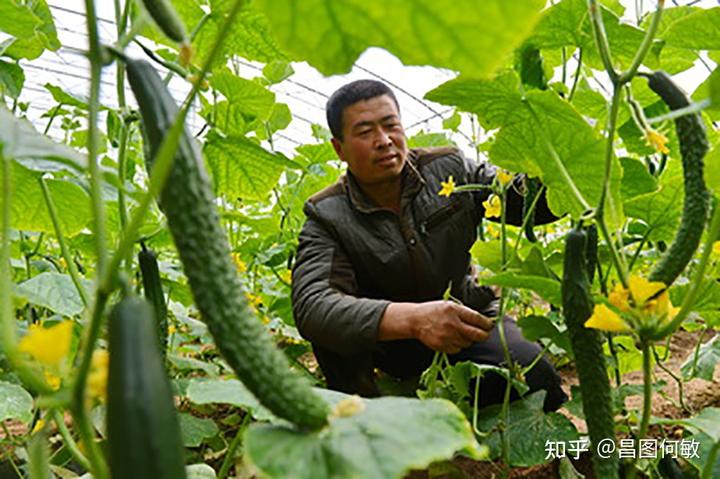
{"x":693,"y":147}
{"x":588,"y":350}
{"x":189,"y":205}
{"x":143,"y":429}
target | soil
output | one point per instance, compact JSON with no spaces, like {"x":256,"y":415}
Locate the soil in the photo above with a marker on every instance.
{"x":697,"y":395}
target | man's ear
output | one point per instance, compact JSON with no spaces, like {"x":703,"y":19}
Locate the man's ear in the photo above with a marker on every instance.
{"x":337,"y":145}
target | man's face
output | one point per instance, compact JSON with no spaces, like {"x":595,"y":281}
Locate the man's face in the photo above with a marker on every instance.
{"x":374,"y":144}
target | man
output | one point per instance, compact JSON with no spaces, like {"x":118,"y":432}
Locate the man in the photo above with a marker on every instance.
{"x":380,"y":247}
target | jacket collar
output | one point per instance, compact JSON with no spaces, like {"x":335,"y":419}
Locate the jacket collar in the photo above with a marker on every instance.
{"x":412,"y":183}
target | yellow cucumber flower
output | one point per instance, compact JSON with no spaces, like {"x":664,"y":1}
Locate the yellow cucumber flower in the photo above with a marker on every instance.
{"x":644,"y":306}
{"x":239,"y":263}
{"x":447,"y":187}
{"x":48,"y":345}
{"x":606,"y":319}
{"x":493,"y":207}
{"x":253,"y":300}
{"x":97,"y":376}
{"x":656,"y":140}
{"x":52,"y":380}
{"x":38,"y":426}
{"x":716,"y":247}
{"x":504,"y":177}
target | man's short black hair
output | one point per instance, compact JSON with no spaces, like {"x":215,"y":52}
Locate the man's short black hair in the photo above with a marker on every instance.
{"x":350,"y":94}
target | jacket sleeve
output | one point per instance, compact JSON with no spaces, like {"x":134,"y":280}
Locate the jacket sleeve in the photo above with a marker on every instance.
{"x":484,"y":174}
{"x":327,"y":310}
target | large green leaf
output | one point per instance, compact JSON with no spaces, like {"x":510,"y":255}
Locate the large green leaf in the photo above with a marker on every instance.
{"x":661,"y":209}
{"x":15,"y":402}
{"x":533,"y":130}
{"x":61,"y":96}
{"x":200,"y":471}
{"x":636,"y":178}
{"x":54,"y":291}
{"x":706,"y":444}
{"x":706,"y":421}
{"x":707,"y":303}
{"x":34,"y":42}
{"x":242,"y":168}
{"x":229,"y":118}
{"x":698,"y":31}
{"x":567,"y":24}
{"x":12,"y":78}
{"x":195,"y":430}
{"x":249,"y":35}
{"x":468,"y":36}
{"x":230,"y":391}
{"x":17,"y":19}
{"x":385,"y":439}
{"x":664,"y":56}
{"x":536,"y":327}
{"x":547,"y":288}
{"x":707,"y":359}
{"x":528,"y":429}
{"x":20,"y":141}
{"x":250,"y":97}
{"x":28,"y":208}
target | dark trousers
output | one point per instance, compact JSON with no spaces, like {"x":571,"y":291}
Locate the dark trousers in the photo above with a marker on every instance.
{"x":408,"y":358}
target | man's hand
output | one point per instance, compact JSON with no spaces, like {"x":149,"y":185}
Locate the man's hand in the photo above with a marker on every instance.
{"x":440,"y":325}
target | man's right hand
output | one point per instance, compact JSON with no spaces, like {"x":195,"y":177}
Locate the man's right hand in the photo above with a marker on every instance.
{"x":440,"y":325}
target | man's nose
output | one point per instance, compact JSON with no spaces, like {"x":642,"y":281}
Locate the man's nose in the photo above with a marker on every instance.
{"x":383,"y":140}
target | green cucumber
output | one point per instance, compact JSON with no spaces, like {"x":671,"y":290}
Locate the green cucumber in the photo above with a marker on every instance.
{"x":693,"y":147}
{"x":189,"y":204}
{"x":591,"y":251}
{"x":165,"y":17}
{"x":587,"y":345}
{"x":152,"y":289}
{"x":144,"y":439}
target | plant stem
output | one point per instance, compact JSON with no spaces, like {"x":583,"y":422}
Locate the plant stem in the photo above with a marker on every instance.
{"x":505,"y":410}
{"x":647,"y":400}
{"x":98,"y":207}
{"x":616,"y":360}
{"x":601,"y":40}
{"x":618,"y":262}
{"x":675,"y":377}
{"x":696,"y":353}
{"x":647,"y":389}
{"x":78,"y":407}
{"x":121,"y":22}
{"x":68,"y":440}
{"x":232,"y":448}
{"x":52,"y":118}
{"x":526,"y":219}
{"x":72,"y":269}
{"x":628,"y":74}
{"x":576,"y":78}
{"x":121,"y":162}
